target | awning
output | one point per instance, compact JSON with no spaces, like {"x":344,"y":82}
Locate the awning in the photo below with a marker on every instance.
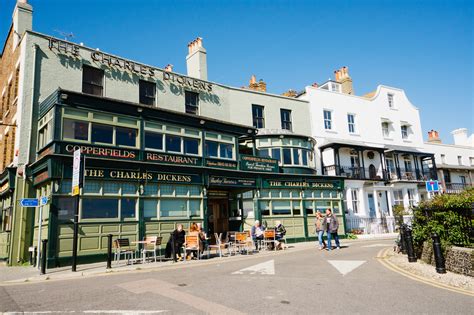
{"x":330,"y":143}
{"x":387,"y":120}
{"x":407,"y":150}
{"x":405,"y":123}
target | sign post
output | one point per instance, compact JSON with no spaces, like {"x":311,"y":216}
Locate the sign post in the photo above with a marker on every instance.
{"x":43,"y":201}
{"x":432,"y":186}
{"x":77,"y":181}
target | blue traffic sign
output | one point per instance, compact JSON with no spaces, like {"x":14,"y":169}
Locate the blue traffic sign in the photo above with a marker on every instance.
{"x":44,"y":200}
{"x":432,"y":186}
{"x":29,"y":202}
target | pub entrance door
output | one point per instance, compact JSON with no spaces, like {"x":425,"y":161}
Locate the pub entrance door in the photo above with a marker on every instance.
{"x":218,"y":219}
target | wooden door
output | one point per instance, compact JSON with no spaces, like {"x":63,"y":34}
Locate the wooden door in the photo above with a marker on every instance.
{"x":218,"y":215}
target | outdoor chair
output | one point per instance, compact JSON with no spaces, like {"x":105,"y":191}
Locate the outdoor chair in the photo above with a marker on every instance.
{"x":123,"y":248}
{"x":269,"y":238}
{"x":242,"y":242}
{"x":151,"y":245}
{"x":219,"y":246}
{"x":191,"y":244}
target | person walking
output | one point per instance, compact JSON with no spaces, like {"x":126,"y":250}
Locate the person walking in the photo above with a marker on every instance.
{"x":331,"y":225}
{"x":319,"y":223}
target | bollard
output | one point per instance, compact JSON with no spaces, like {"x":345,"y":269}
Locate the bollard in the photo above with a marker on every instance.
{"x":43,"y":257}
{"x":173,"y":250}
{"x":438,"y":254}
{"x":409,"y":245}
{"x":109,"y":251}
{"x":403,"y":246}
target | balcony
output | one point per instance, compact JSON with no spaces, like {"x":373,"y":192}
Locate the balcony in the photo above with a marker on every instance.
{"x":410,"y":175}
{"x":455,"y":188}
{"x":354,"y":172}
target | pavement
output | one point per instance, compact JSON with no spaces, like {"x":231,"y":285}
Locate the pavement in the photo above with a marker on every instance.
{"x":300,"y":280}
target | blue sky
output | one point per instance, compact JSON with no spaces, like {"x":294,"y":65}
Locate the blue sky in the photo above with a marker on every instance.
{"x":423,"y":47}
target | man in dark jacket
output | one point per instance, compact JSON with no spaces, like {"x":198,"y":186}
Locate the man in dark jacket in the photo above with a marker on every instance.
{"x":331,"y":225}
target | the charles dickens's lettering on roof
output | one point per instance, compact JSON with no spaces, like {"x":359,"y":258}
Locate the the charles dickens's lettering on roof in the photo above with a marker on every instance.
{"x":63,"y":47}
{"x":122,"y":64}
{"x":187,"y":82}
{"x":145,"y":176}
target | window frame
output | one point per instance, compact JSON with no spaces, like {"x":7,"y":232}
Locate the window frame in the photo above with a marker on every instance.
{"x":404,"y":132}
{"x":189,"y":108}
{"x":391,"y":100}
{"x":91,"y":82}
{"x":285,"y":118}
{"x":351,"y":123}
{"x":327,"y":116}
{"x":258,"y":121}
{"x":143,"y":86}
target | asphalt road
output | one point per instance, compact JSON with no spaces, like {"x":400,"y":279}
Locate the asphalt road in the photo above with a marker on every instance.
{"x":350,"y":280}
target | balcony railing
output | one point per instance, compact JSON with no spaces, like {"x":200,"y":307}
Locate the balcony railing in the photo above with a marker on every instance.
{"x":454,"y":188}
{"x":354,"y":172}
{"x":412,"y":175}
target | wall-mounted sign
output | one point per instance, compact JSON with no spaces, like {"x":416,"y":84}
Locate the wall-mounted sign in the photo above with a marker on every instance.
{"x":302,"y":184}
{"x":100,"y":151}
{"x":76,"y":172}
{"x":63,"y":47}
{"x":232,"y":182}
{"x":187,"y":82}
{"x":122,"y":64}
{"x":41,"y":177}
{"x":258,"y":164}
{"x":172,"y":159}
{"x":221,"y":164}
{"x":145,"y":176}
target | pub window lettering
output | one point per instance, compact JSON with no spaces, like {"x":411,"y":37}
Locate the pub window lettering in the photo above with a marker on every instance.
{"x":258,"y":116}
{"x":191,"y":102}
{"x":147,"y":92}
{"x":285,"y":119}
{"x":92,"y":81}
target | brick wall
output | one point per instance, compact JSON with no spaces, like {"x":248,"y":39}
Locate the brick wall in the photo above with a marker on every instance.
{"x":9,"y":81}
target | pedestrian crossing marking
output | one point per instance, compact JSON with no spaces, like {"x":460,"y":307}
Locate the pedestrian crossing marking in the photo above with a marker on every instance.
{"x":265,"y":268}
{"x":346,"y":266}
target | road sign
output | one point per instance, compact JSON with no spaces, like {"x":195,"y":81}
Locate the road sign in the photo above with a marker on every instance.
{"x":76,"y":172}
{"x":432,"y":186}
{"x":44,"y":200}
{"x":29,"y":202}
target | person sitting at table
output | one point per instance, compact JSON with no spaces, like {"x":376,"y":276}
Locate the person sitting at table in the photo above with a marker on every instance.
{"x":257,"y":233}
{"x":280,"y":232}
{"x":203,"y":239}
{"x":178,"y":236}
{"x":193,"y":229}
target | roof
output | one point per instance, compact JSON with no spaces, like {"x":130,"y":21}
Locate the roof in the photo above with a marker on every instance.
{"x":351,"y":143}
{"x":409,"y":150}
{"x":455,"y":167}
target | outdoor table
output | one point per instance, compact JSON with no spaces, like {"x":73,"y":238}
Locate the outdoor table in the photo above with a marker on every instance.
{"x":140,"y":243}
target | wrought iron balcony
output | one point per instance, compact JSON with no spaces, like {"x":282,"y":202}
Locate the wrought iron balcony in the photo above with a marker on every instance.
{"x":454,"y":188}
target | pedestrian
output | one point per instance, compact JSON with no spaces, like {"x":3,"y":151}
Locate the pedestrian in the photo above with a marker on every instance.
{"x":319,"y":223}
{"x":331,"y":225}
{"x":257,"y":234}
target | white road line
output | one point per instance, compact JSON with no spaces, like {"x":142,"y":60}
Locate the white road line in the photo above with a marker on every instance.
{"x":171,"y":291}
{"x":266,"y":268}
{"x":346,"y":266}
{"x":377,"y":245}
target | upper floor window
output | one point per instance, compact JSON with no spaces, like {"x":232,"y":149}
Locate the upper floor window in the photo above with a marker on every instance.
{"x":45,"y":129}
{"x":443,"y":158}
{"x":191,"y":102}
{"x":147,"y":92}
{"x":285,"y":115}
{"x":258,"y":116}
{"x":404,"y":129}
{"x":327,"y":119}
{"x":459,"y":159}
{"x":391,"y":103}
{"x":172,"y":139}
{"x":471,"y":159}
{"x":92,"y":80}
{"x":386,"y":129}
{"x":219,"y":146}
{"x":351,"y":123}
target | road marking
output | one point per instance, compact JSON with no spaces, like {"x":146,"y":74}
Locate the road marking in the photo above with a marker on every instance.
{"x":346,"y":266}
{"x":176,"y":293}
{"x":377,"y":245}
{"x":124,"y":312}
{"x":266,"y":268}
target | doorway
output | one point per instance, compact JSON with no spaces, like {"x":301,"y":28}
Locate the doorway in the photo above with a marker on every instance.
{"x":371,"y":205}
{"x":218,"y":218}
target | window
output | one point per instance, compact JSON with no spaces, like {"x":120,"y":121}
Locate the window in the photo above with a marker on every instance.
{"x":221,"y":146}
{"x":77,"y":130}
{"x":258,"y":116}
{"x":172,"y":139}
{"x":351,"y":123}
{"x":102,"y":133}
{"x":404,"y":130}
{"x":411,"y":197}
{"x":354,"y":156}
{"x":398,"y":197}
{"x":173,"y":143}
{"x":471,"y":159}
{"x":463,"y":179}
{"x":355,"y":200}
{"x":126,"y":136}
{"x":128,"y":207}
{"x":147,"y":92}
{"x":459,"y":159}
{"x":443,"y":158}
{"x":211,"y":148}
{"x":226,"y":150}
{"x":65,"y":207}
{"x":390,"y":165}
{"x":92,"y":81}
{"x":99,"y":208}
{"x":191,"y":146}
{"x":390,"y":100}
{"x":408,"y":165}
{"x":285,"y":115}
{"x":45,"y":130}
{"x":447,"y":176}
{"x":191,"y":102}
{"x":385,"y":129}
{"x":327,"y":120}
{"x":276,"y":154}
{"x":286,"y":156}
{"x":153,"y":140}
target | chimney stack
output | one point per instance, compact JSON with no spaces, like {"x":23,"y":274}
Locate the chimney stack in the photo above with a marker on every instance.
{"x":257,"y":86}
{"x":460,"y":136}
{"x":433,"y":136}
{"x":342,"y":76}
{"x":196,"y":60}
{"x":290,"y":93}
{"x":22,"y":20}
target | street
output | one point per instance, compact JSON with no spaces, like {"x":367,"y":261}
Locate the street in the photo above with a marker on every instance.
{"x":302,"y":280}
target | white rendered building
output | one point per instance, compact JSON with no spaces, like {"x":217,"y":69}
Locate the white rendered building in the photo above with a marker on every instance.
{"x":376,"y":142}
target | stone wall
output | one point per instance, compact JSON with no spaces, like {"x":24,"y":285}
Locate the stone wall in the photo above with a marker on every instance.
{"x":460,"y":260}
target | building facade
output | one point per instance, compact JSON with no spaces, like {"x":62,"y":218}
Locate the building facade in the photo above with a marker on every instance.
{"x":161,"y":148}
{"x":374,"y":141}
